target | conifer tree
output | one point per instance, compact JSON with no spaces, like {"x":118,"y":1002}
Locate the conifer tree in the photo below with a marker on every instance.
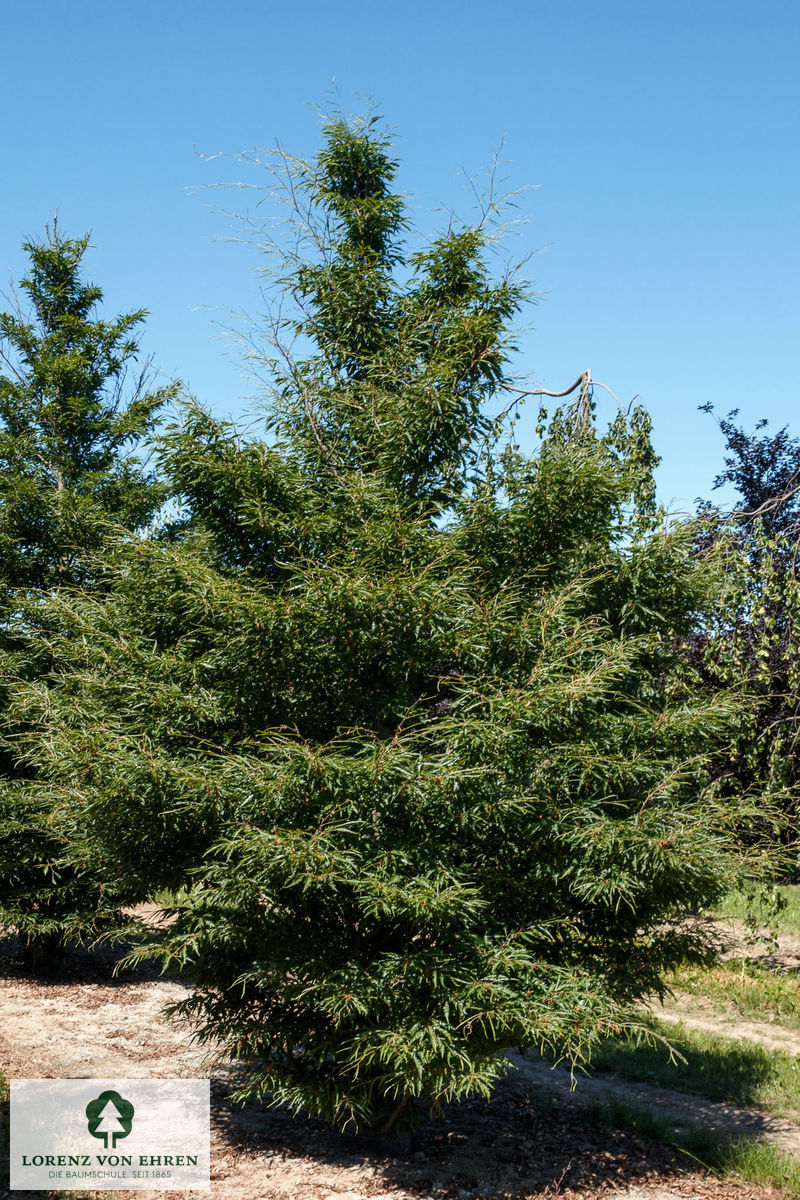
{"x":397,"y":710}
{"x":74,"y":407}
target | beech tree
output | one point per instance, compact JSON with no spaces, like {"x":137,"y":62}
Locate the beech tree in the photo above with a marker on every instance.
{"x":74,"y":407}
{"x":396,"y":710}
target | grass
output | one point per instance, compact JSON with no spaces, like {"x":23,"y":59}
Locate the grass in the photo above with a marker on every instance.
{"x":753,"y":992}
{"x":755,"y":1162}
{"x":719,"y":1068}
{"x":737,"y":906}
{"x":169,"y":897}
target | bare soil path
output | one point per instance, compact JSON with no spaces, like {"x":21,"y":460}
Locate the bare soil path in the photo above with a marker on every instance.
{"x":682,"y":1010}
{"x":735,"y":940}
{"x":682,"y":1110}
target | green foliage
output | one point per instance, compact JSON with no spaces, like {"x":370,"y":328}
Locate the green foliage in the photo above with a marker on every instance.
{"x":71,"y":420}
{"x":67,"y":426}
{"x":395,"y":709}
{"x":749,"y":642}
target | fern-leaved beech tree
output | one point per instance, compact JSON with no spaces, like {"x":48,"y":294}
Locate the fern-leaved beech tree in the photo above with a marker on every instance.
{"x":397,"y":711}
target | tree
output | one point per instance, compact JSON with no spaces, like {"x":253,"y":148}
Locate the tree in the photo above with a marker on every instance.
{"x":765,"y":471}
{"x":75,"y":406}
{"x":753,"y":639}
{"x":397,"y":710}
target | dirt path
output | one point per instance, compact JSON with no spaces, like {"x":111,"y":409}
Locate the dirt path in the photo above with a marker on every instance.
{"x":785,"y":954}
{"x":679,"y":1011}
{"x":94,"y":1029}
{"x":780,"y":953}
{"x":531,"y":1141}
{"x":682,"y":1110}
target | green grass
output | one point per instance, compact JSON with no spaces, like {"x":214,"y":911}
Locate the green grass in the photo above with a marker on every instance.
{"x":743,"y":988}
{"x":737,"y":906}
{"x":752,"y":1161}
{"x":735,"y":1072}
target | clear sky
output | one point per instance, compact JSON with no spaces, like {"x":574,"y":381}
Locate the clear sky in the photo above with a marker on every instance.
{"x":660,"y":142}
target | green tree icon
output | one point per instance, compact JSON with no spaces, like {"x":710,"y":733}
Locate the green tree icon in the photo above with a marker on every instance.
{"x":109,"y":1116}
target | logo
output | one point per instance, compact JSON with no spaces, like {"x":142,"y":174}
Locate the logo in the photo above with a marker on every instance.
{"x":107,"y":1135}
{"x":109,"y":1116}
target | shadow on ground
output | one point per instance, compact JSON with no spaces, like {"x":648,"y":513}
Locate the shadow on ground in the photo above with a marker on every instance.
{"x":514,"y":1146}
{"x":730,"y":1072}
{"x":80,"y":963}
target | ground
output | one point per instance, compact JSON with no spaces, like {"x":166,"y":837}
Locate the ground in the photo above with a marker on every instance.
{"x":538,"y":1137}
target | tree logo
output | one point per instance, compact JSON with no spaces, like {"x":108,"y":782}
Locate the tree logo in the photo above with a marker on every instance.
{"x":109,"y":1116}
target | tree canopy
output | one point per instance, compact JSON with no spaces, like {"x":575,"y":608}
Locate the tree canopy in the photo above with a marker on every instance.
{"x":397,"y":711}
{"x":75,"y":409}
{"x":751,"y":639}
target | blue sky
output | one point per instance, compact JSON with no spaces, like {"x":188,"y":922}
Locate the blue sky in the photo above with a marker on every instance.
{"x":659,"y":143}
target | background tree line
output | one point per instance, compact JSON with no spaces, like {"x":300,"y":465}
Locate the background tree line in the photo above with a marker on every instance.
{"x":431,"y":740}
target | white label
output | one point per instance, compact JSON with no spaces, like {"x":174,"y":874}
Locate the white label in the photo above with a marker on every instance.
{"x":109,"y":1134}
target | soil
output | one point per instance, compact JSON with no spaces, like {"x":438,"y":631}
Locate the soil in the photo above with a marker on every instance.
{"x":689,"y":1011}
{"x":534,"y":1139}
{"x":778,"y":953}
